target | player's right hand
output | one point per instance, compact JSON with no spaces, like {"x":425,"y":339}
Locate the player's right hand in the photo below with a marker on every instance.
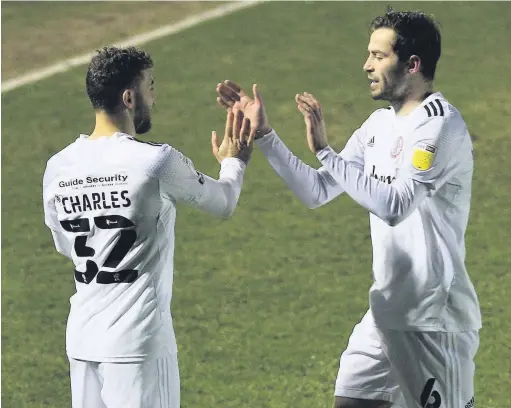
{"x":314,"y":122}
{"x":238,"y":138}
{"x":230,"y":95}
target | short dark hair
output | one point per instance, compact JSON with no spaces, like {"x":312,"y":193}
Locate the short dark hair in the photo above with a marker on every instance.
{"x":111,"y":71}
{"x":417,"y":34}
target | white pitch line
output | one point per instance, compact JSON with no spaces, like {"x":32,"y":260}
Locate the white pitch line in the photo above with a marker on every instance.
{"x":67,"y":64}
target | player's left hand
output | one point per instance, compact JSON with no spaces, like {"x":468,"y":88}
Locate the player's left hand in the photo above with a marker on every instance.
{"x":238,"y":138}
{"x":314,"y":122}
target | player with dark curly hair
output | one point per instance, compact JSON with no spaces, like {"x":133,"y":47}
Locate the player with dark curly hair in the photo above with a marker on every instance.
{"x":115,"y":70}
{"x":110,"y":203}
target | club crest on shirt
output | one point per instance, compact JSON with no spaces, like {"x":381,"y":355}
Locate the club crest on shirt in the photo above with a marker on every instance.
{"x":423,"y":156}
{"x":398,"y":147}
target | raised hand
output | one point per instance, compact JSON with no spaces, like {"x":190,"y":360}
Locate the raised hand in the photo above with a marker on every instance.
{"x":314,"y":122}
{"x":238,"y":138}
{"x":230,"y":95}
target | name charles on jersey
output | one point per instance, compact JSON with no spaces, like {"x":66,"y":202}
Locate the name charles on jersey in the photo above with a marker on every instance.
{"x":94,"y":201}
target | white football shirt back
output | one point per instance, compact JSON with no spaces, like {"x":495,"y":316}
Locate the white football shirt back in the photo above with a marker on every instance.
{"x":111,"y":206}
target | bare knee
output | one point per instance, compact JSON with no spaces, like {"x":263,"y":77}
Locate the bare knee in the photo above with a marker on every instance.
{"x":344,"y":402}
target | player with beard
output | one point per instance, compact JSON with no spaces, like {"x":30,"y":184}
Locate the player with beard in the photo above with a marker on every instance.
{"x":410,"y":165}
{"x":110,"y":203}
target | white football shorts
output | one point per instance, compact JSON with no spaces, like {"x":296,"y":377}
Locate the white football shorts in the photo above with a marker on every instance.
{"x":408,"y":368}
{"x":151,"y":384}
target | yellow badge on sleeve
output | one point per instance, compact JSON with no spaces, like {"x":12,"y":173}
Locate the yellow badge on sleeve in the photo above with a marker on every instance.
{"x":423,"y":156}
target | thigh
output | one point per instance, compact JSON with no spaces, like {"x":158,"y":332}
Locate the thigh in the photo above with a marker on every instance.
{"x":85,"y":384}
{"x":364,"y":370}
{"x":434,"y":369}
{"x":151,"y":384}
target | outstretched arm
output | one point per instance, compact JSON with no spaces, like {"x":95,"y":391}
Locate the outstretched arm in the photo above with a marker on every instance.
{"x":312,"y":186}
{"x":390,"y":202}
{"x":431,"y":162}
{"x":180,"y":181}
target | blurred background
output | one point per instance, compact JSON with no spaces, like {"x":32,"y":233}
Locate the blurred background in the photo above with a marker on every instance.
{"x":263,"y":303}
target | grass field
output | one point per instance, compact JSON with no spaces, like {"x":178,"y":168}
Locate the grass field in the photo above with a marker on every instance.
{"x":59,"y":29}
{"x":264,"y":303}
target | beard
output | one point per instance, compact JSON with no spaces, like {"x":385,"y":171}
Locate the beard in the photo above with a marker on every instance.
{"x":392,"y":91}
{"x":142,"y":118}
{"x":385,"y":94}
{"x":142,"y":126}
{"x":393,"y":86}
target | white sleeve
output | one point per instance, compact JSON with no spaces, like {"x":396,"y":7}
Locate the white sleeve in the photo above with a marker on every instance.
{"x":438,"y":146}
{"x":390,"y":202}
{"x":62,"y":244}
{"x":180,"y":181}
{"x":427,"y":166}
{"x":313,"y":187}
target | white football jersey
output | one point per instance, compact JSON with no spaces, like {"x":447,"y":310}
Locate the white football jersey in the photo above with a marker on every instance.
{"x":111,"y":206}
{"x":414,"y":174}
